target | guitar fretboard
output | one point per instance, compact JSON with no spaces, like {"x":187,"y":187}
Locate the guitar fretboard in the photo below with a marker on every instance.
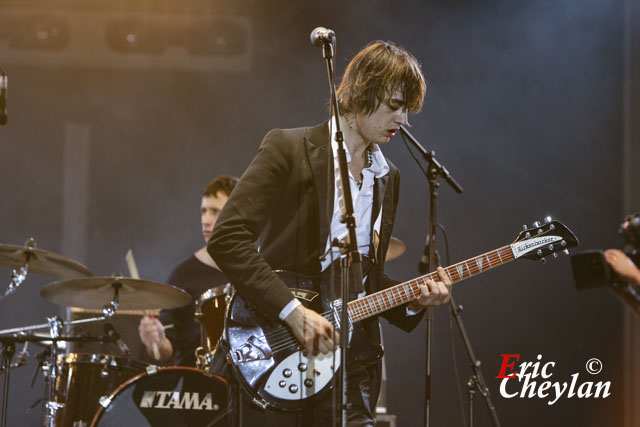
{"x":394,"y":296}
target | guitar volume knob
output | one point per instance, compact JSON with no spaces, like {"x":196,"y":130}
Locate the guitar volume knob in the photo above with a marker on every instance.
{"x":293,"y":388}
{"x":308,"y":383}
{"x":302,"y":367}
{"x":287,"y":373}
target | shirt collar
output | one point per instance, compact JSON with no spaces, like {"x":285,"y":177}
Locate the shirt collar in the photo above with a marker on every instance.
{"x":379,"y":166}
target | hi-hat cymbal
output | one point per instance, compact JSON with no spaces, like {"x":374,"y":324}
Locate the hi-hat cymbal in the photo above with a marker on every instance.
{"x":396,"y":248}
{"x":133,"y":294}
{"x":41,"y":261}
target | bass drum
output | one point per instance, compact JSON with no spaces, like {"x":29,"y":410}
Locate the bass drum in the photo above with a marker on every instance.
{"x":84,"y":378}
{"x":173,"y":396}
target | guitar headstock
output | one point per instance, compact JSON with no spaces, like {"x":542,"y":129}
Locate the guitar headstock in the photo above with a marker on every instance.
{"x":543,"y":239}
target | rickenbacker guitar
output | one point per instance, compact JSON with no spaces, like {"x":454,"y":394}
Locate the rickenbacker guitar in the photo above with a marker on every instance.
{"x":276,"y":372}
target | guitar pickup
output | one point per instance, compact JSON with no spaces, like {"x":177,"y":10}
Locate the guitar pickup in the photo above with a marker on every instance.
{"x":252,"y":350}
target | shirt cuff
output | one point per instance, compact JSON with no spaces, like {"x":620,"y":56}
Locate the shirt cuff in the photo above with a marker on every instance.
{"x":412,"y":312}
{"x":293,"y":304}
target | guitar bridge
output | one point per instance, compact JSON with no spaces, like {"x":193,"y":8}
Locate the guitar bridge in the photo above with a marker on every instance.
{"x":252,"y":350}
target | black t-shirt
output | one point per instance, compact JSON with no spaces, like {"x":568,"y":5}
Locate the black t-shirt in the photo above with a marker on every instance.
{"x":196,"y":278}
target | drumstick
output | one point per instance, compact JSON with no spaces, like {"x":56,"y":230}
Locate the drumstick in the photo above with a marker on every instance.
{"x":133,"y":272}
{"x":154,"y":345}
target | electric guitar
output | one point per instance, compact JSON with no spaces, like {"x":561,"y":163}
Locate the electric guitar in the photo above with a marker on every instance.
{"x":276,"y":372}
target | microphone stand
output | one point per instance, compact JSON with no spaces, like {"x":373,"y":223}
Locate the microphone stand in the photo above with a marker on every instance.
{"x":434,"y":171}
{"x":476,"y":381}
{"x":351,"y":256}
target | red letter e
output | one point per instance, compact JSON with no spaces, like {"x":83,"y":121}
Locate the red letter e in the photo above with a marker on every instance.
{"x":505,"y":365}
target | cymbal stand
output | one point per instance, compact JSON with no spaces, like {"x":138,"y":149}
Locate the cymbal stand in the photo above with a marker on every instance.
{"x":19,"y":275}
{"x":110,"y":308}
{"x":8,"y":348}
{"x":51,"y":405}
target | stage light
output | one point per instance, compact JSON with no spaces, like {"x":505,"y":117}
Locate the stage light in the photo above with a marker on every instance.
{"x":39,"y":32}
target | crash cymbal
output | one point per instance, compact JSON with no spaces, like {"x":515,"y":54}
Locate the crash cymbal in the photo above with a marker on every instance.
{"x":396,"y":248}
{"x":41,"y":261}
{"x":133,"y":294}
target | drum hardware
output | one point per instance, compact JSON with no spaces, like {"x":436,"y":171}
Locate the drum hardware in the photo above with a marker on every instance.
{"x":41,"y":358}
{"x":204,"y":358}
{"x":21,"y":357}
{"x":8,"y":349}
{"x":50,"y":369}
{"x":29,"y":258}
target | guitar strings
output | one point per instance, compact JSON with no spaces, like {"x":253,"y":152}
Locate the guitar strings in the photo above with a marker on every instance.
{"x":283,"y":338}
{"x":289,"y":339}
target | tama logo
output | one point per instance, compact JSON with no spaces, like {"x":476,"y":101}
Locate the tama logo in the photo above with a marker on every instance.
{"x":177,"y":400}
{"x":521,"y":248}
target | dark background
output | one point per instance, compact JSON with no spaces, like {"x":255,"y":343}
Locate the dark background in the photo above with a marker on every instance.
{"x":524,"y":108}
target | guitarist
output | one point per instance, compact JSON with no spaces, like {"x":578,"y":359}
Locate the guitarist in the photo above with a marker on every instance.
{"x":282,"y":200}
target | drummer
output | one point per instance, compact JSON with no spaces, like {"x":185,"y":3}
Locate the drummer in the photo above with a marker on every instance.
{"x":175,"y":333}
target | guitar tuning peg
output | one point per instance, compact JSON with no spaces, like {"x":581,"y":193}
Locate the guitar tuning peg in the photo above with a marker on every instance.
{"x":536,"y":224}
{"x":544,"y":260}
{"x":555,"y":255}
{"x":566,"y":252}
{"x":524,"y":227}
{"x":547,"y":219}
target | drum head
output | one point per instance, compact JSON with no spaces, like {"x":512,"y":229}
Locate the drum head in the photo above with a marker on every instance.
{"x":174,"y":396}
{"x":211,"y":294}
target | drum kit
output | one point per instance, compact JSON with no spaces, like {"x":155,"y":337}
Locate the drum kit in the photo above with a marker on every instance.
{"x":83,"y":389}
{"x":88,"y":389}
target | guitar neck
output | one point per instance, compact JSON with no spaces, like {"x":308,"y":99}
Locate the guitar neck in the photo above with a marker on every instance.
{"x":394,"y":296}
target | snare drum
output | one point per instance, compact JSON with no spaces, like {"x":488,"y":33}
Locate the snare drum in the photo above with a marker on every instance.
{"x":210,"y":311}
{"x":84,"y":378}
{"x":173,"y":396}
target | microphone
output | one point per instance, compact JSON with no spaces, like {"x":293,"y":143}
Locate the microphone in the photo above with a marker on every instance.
{"x":110,"y":331}
{"x":321,"y":35}
{"x":423,"y":266}
{"x":3,"y":97}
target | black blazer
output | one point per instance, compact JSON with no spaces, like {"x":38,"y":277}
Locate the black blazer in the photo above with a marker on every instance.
{"x":281,"y":199}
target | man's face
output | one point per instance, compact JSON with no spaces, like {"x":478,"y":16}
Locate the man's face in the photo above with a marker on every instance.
{"x":209,"y":210}
{"x":381,"y":125}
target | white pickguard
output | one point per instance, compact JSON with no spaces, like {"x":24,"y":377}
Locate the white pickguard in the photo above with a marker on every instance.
{"x":298,"y":377}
